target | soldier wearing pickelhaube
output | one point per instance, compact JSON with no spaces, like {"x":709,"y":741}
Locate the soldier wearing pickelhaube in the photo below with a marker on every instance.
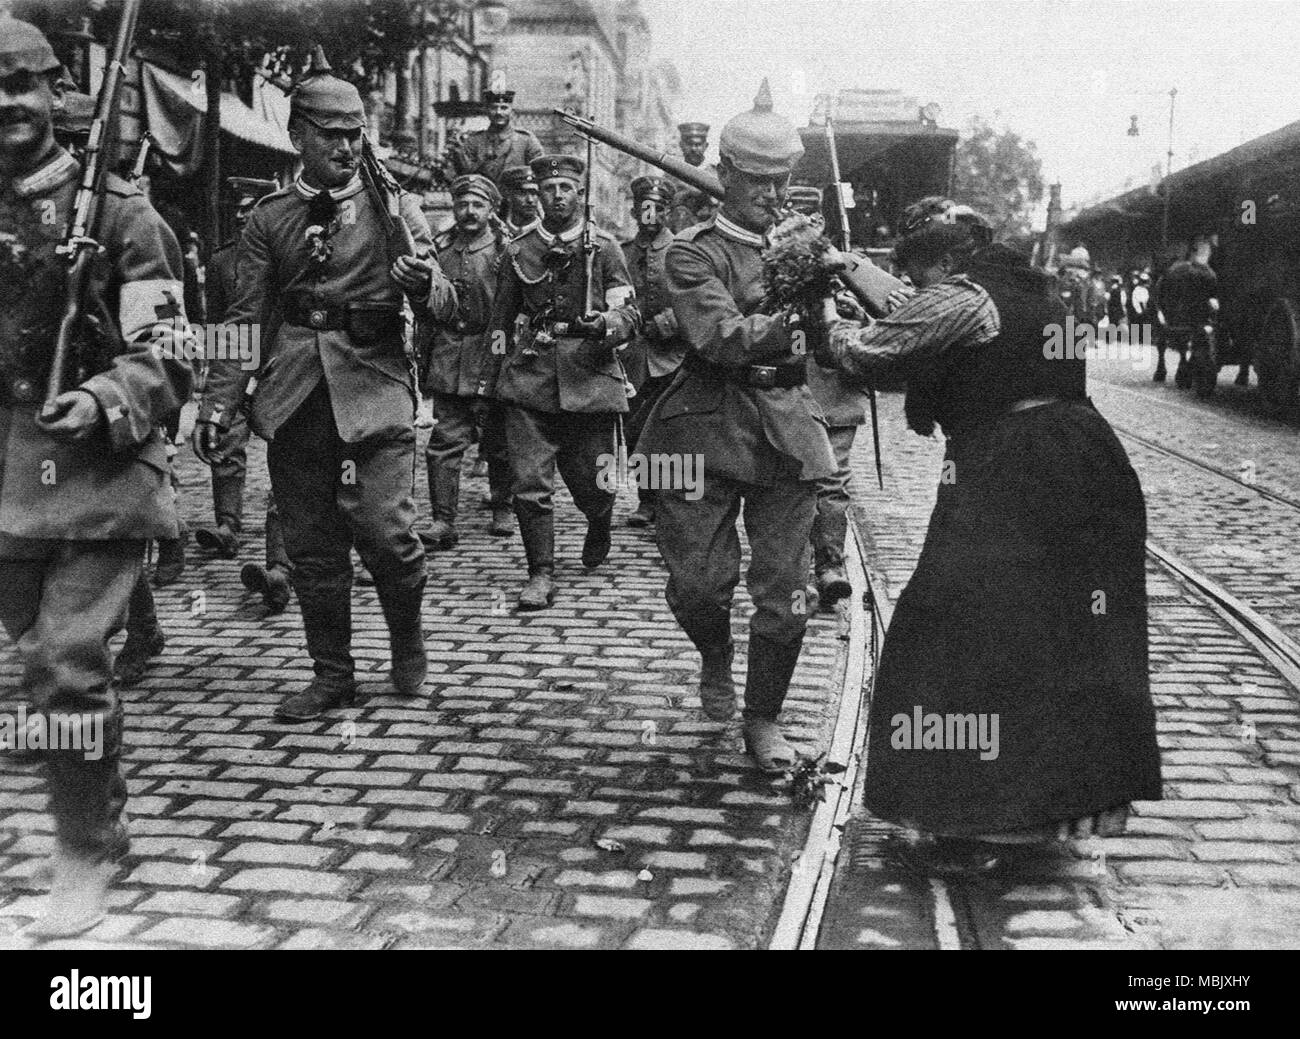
{"x":559,"y":372}
{"x":519,"y":206}
{"x":470,"y":255}
{"x":740,"y":400}
{"x":336,"y":392}
{"x":843,"y":401}
{"x":85,"y":485}
{"x":502,"y":145}
{"x":653,"y":357}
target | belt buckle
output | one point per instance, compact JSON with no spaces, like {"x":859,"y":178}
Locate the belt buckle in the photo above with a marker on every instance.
{"x":762,"y":375}
{"x":316,"y":318}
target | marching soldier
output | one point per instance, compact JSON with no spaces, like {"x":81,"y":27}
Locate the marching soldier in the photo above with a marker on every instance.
{"x":229,"y":471}
{"x":520,"y":208}
{"x":470,"y":254}
{"x":741,"y":401}
{"x":657,"y":352}
{"x":560,"y":377}
{"x":492,"y":151}
{"x":845,"y":406}
{"x":85,"y":486}
{"x":336,"y":391}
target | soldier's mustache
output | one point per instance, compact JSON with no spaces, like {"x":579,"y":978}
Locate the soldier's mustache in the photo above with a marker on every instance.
{"x":13,"y":115}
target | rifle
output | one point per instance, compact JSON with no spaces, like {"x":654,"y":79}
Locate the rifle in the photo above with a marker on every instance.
{"x":869,"y":283}
{"x":79,"y":246}
{"x":844,"y":231}
{"x":386,"y":193}
{"x":588,"y":246}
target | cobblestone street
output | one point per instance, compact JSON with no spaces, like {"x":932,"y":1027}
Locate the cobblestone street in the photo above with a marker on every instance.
{"x":472,"y":820}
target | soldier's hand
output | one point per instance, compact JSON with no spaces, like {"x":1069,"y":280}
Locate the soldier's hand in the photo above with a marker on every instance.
{"x":207,"y":442}
{"x":75,"y":415}
{"x":897,"y":298}
{"x":847,"y":306}
{"x":413,"y":273}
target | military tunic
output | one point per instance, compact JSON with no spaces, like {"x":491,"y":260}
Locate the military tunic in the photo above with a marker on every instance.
{"x":491,"y":154}
{"x":762,"y":448}
{"x":74,"y":515}
{"x":562,"y":391}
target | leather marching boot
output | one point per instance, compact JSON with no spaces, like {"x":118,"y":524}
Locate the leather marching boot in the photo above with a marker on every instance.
{"x":444,"y":496}
{"x":169,"y":562}
{"x":327,"y":623}
{"x":595,"y":546}
{"x":1243,"y":376}
{"x":829,"y":530}
{"x":144,"y":638}
{"x":270,"y":582}
{"x":767,"y":680}
{"x":644,"y":516}
{"x":503,"y":516}
{"x":537,"y":529}
{"x":87,"y":799}
{"x":717,"y":687}
{"x":403,"y":608}
{"x":228,"y":499}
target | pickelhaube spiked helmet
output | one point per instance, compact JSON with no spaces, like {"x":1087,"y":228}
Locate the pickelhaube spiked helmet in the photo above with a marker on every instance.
{"x":759,"y":141}
{"x":325,"y":100}
{"x":24,"y":48}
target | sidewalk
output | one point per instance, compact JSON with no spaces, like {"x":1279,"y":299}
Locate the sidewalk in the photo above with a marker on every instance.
{"x":467,"y":821}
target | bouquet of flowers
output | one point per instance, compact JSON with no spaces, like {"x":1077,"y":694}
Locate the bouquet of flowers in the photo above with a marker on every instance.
{"x":797,"y":268}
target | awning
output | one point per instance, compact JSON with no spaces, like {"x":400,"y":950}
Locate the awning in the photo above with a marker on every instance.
{"x":174,"y":108}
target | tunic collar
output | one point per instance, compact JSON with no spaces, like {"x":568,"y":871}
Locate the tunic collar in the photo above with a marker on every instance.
{"x":480,"y":241}
{"x":736,"y":233}
{"x":337,"y":194}
{"x":571,"y":235}
{"x":60,"y":168}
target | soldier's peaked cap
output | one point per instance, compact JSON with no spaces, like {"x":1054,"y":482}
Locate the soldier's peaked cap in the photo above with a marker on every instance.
{"x":759,"y":141}
{"x":651,"y":187}
{"x":545,"y":167}
{"x":493,"y":97}
{"x":698,"y":131}
{"x":325,"y":100}
{"x":518,"y":178}
{"x":24,"y":48}
{"x":476,"y":184}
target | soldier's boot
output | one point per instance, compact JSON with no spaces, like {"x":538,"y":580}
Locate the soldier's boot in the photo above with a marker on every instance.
{"x":503,"y":516}
{"x":87,"y":799}
{"x":644,"y":515}
{"x":537,"y":529}
{"x":444,"y":498}
{"x":228,"y":499}
{"x":717,"y":687}
{"x":829,"y":530}
{"x":595,"y":546}
{"x":270,"y":582}
{"x":767,"y":680}
{"x":327,"y":623}
{"x":403,"y":608}
{"x":1243,"y":376}
{"x":169,"y":562}
{"x":144,"y":637}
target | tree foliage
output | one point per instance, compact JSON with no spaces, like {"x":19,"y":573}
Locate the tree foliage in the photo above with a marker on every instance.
{"x":999,"y":174}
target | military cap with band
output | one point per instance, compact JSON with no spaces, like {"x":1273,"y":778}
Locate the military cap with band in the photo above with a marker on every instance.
{"x":694,"y":131}
{"x":804,"y":195}
{"x":326,"y":101}
{"x":24,"y":48}
{"x":476,"y":184}
{"x":545,"y":167}
{"x":649,"y":187}
{"x":518,"y":178}
{"x":494,"y":97}
{"x":760,"y":142}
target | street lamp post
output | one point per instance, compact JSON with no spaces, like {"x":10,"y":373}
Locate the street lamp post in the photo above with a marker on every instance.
{"x":1169,"y":170}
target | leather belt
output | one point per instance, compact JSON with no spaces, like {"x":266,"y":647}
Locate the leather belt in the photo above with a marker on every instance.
{"x":311,"y":313}
{"x":754,"y":376}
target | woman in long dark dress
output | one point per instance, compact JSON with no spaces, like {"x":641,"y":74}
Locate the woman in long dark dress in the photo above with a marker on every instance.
{"x":1012,"y":702}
